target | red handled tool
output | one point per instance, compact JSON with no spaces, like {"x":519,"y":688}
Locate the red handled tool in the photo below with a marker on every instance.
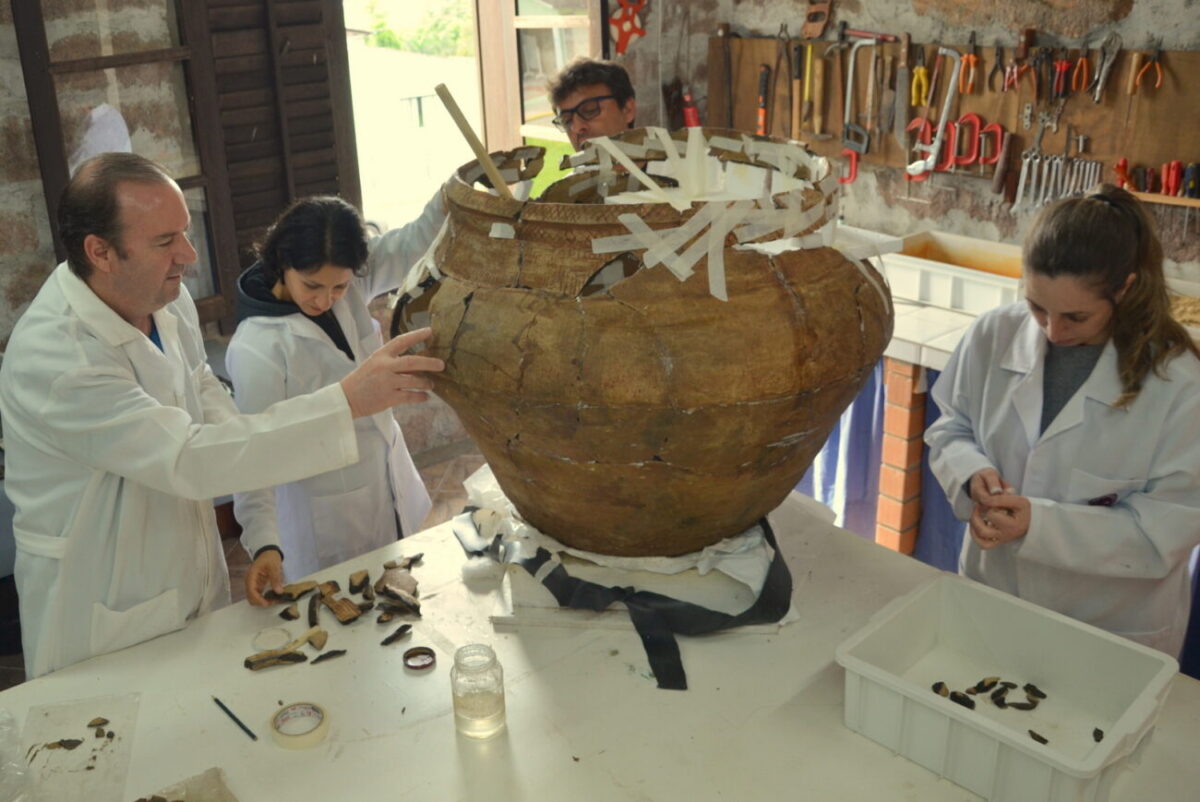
{"x":764,"y":85}
{"x":971,"y":119}
{"x":1121,"y":168}
{"x":1172,"y":178}
{"x":1061,"y":67}
{"x":950,"y":145}
{"x":970,"y":61}
{"x":852,"y":166}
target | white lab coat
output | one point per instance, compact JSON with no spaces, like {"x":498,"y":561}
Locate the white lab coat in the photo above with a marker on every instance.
{"x":1115,"y":493}
{"x":115,"y":450}
{"x":326,"y":519}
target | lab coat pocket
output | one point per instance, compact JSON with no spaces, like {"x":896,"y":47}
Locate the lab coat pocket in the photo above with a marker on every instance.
{"x":1097,"y":491}
{"x":113,"y":630}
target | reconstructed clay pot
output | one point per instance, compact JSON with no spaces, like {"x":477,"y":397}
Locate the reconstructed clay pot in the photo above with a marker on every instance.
{"x":645,"y":417}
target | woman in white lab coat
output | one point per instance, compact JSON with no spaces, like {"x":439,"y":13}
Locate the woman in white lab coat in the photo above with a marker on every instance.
{"x":1070,"y":429}
{"x":304,"y":323}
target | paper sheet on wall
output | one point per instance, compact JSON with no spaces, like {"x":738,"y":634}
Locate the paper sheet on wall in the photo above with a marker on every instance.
{"x":97,"y":767}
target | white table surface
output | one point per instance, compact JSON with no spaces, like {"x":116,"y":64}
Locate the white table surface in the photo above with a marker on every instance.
{"x":762,"y":718}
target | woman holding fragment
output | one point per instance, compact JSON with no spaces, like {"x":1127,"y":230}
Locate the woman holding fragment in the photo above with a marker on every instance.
{"x":1070,"y":429}
{"x":303,"y":323}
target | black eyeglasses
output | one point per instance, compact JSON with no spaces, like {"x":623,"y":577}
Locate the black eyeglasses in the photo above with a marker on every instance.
{"x":587,"y":110}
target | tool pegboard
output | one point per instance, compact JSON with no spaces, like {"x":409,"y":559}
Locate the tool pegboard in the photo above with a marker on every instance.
{"x":1146,"y":125}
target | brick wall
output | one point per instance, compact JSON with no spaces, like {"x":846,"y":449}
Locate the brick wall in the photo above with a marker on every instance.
{"x":899,"y":512}
{"x":26,"y":246}
{"x":150,"y":98}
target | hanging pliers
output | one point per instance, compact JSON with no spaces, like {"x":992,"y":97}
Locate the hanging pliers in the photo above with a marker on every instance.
{"x":1081,"y":75}
{"x":1061,"y":67}
{"x":920,"y":79}
{"x":970,"y":60}
{"x":1156,"y":62}
{"x":997,"y":69}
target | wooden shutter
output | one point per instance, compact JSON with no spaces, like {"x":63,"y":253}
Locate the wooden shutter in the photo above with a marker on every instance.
{"x":283,"y":92}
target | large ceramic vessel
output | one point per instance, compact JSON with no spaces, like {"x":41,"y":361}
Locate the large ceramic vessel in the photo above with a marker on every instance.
{"x":623,"y":410}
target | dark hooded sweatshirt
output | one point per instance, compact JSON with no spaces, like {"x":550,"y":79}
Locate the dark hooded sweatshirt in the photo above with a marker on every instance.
{"x":254,"y":299}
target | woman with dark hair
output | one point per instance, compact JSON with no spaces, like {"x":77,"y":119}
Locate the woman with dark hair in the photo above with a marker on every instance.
{"x":303,"y":323}
{"x":1070,"y":429}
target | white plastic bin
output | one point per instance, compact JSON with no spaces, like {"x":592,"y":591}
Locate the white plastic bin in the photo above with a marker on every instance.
{"x":958,"y":631}
{"x":950,"y":271}
{"x":860,"y":243}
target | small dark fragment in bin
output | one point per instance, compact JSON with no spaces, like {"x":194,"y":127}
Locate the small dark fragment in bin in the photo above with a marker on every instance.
{"x":290,"y":613}
{"x":1034,"y":690}
{"x":940,"y":689}
{"x":984,"y":685}
{"x":1097,"y":735}
{"x":109,"y":735}
{"x":99,"y":732}
{"x":1007,"y":684}
{"x":1037,"y":737}
{"x":1022,"y":705}
{"x":998,"y":697}
{"x":962,"y":699}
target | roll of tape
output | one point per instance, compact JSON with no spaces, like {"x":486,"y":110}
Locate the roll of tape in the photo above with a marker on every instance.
{"x":300,"y":725}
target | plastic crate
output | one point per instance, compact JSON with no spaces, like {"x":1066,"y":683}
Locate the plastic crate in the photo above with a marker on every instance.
{"x":957,"y":631}
{"x":963,"y":274}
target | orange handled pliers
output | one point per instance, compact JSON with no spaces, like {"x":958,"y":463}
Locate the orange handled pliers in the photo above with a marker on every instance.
{"x":1081,"y":75}
{"x":1156,"y":62}
{"x":970,"y":60}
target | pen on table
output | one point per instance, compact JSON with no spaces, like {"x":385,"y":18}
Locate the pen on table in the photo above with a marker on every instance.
{"x":236,"y":720}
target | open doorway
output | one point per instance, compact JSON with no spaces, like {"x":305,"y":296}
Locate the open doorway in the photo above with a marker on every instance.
{"x":407,"y":143}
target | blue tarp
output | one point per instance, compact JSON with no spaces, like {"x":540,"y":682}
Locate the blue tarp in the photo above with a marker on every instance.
{"x":844,"y":476}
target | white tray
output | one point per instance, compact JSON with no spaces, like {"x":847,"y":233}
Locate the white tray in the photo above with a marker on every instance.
{"x":958,"y":631}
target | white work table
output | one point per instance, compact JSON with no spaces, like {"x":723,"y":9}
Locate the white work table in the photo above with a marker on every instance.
{"x":762,"y":718}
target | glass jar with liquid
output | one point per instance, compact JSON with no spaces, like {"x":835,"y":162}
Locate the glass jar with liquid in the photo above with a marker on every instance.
{"x":477,"y":682}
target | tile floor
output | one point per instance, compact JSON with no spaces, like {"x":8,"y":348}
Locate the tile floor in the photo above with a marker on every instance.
{"x":443,"y":471}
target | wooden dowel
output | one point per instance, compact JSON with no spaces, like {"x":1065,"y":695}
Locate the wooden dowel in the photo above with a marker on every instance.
{"x":481,"y":153}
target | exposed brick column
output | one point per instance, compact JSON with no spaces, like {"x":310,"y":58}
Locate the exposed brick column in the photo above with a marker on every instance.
{"x":899,"y":511}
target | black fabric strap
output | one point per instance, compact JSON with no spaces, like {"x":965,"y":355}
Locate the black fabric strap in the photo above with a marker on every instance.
{"x":659,"y":618}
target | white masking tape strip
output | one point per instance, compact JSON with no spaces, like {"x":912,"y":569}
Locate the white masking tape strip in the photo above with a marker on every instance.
{"x":791,"y":221}
{"x":673,"y":167}
{"x":502,"y":231}
{"x":426,"y":265}
{"x":580,"y":186}
{"x":649,"y":238}
{"x":619,"y":156}
{"x":725,"y":143}
{"x":300,"y":726}
{"x":695,"y":162}
{"x":716,"y":247}
{"x":674,"y":239}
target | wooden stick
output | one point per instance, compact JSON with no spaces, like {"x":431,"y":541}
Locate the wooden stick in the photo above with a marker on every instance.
{"x":481,"y":153}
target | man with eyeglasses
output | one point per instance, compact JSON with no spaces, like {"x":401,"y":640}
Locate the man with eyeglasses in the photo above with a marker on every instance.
{"x":592,"y":98}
